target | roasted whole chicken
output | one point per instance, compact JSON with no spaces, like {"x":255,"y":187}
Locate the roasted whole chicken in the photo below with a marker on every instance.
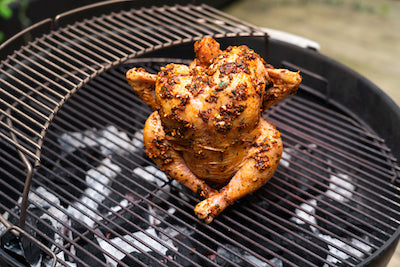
{"x":207,"y":131}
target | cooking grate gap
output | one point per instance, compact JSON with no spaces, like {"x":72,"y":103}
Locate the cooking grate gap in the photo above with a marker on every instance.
{"x":131,"y":122}
{"x":325,"y":169}
{"x":145,"y":24}
{"x":289,"y":211}
{"x":114,"y":37}
{"x":17,"y":94}
{"x":232,"y":24}
{"x":325,"y":124}
{"x":22,"y":83}
{"x":358,"y":170}
{"x":70,"y":65}
{"x":130,"y":141}
{"x":99,"y":92}
{"x":79,"y":56}
{"x":135,"y":33}
{"x":261,"y":232}
{"x":373,"y":165}
{"x":195,"y":22}
{"x":83,"y":47}
{"x":285,"y":228}
{"x":107,"y":40}
{"x":336,"y":117}
{"x":330,"y":200}
{"x":42,"y":75}
{"x":322,"y":133}
{"x":56,"y":70}
{"x":178,"y":32}
{"x":182,"y":26}
{"x":96,"y":42}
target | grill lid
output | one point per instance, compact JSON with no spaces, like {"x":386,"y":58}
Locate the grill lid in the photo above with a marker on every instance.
{"x":98,"y":199}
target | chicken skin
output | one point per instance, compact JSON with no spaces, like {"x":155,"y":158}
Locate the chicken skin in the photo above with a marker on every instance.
{"x":207,"y":131}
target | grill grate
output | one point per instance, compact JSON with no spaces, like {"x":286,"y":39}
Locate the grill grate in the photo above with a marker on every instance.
{"x":326,"y":207}
{"x":96,"y":199}
{"x":41,"y":76}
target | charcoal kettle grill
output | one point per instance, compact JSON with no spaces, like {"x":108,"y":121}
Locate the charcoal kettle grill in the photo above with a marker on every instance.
{"x":77,"y":188}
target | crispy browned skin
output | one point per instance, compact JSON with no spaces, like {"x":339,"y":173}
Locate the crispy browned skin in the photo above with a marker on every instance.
{"x":207,"y":128}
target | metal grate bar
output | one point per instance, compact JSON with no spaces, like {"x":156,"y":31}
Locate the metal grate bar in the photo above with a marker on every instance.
{"x":281,"y":189}
{"x":334,"y":139}
{"x":71,"y":54}
{"x":293,"y":131}
{"x":100,"y":43}
{"x":321,"y":143}
{"x":122,"y":36}
{"x":53,"y":144}
{"x":303,"y":132}
{"x":70,"y":111}
{"x":95,"y":200}
{"x":358,"y":202}
{"x":42,"y":73}
{"x":17,"y":168}
{"x":327,"y":124}
{"x":45,"y":71}
{"x":336,"y":119}
{"x":20,"y":96}
{"x":72,"y":68}
{"x":30,"y":88}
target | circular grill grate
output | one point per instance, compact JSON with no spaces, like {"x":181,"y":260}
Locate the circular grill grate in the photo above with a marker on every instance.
{"x":98,"y":199}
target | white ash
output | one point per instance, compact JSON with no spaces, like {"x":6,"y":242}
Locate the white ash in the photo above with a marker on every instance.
{"x":97,"y":180}
{"x":152,"y":175}
{"x":119,"y":248}
{"x":175,"y":231}
{"x":340,"y":188}
{"x":286,"y":157}
{"x":110,"y":140}
{"x":276,"y":262}
{"x":305,"y":213}
{"x":122,"y":204}
{"x":339,"y":253}
{"x":155,"y":176}
{"x":224,"y":252}
{"x":53,"y":207}
{"x":335,"y":253}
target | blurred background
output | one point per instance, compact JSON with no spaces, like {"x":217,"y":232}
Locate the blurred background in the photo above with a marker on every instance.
{"x":362,"y":34}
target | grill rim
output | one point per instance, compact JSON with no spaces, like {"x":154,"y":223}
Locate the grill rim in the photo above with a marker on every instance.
{"x":392,"y":105}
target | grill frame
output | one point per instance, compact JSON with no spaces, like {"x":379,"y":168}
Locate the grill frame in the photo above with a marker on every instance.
{"x":326,"y":95}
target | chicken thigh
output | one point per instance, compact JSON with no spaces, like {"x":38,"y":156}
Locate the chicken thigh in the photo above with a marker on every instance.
{"x":207,"y":131}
